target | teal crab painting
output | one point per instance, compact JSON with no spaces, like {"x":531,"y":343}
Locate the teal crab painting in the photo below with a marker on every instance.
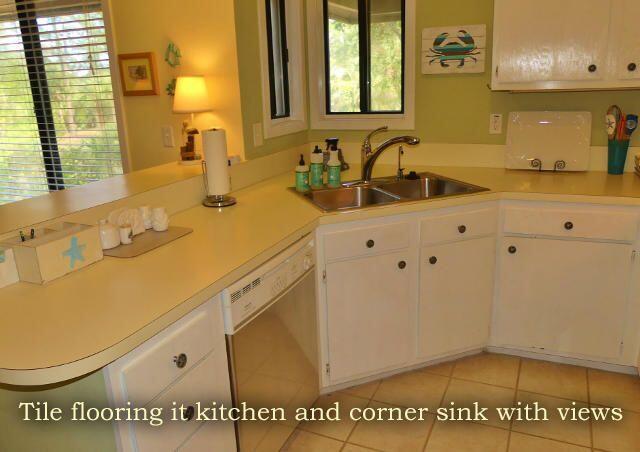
{"x":447,"y":49}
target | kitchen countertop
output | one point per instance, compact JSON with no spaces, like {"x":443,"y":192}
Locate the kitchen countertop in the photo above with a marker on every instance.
{"x":87,"y":319}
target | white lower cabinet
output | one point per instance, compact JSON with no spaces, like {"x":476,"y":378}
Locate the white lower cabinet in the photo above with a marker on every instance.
{"x":456,"y":296}
{"x":563,"y":297}
{"x":187,"y":364}
{"x":369,"y":315}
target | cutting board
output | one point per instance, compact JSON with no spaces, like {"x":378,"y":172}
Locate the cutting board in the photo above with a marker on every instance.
{"x":549,"y":136}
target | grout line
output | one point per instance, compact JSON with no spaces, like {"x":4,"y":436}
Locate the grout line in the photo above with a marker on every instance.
{"x":435,"y":418}
{"x":515,"y":398}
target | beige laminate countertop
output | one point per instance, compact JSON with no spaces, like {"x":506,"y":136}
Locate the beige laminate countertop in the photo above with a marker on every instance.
{"x":84,"y":321}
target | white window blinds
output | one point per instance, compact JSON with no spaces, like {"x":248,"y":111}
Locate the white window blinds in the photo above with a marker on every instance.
{"x":58,"y":125}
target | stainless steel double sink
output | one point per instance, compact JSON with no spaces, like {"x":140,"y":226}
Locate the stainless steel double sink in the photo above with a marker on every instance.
{"x":378,"y":192}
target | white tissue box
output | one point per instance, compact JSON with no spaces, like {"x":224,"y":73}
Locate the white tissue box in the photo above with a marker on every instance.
{"x":8,"y":270}
{"x":56,"y":251}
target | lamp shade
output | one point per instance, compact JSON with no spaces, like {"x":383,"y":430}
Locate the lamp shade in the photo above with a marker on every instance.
{"x":191,"y":95}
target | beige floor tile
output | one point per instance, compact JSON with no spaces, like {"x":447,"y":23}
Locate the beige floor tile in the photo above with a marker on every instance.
{"x":302,"y":441}
{"x":414,"y":389}
{"x":615,"y":390}
{"x":465,"y":393}
{"x":339,"y":430}
{"x":576,"y":432}
{"x":443,"y":369}
{"x":558,"y":380}
{"x":391,"y":436}
{"x":620,"y":436}
{"x":365,"y":390}
{"x":500,"y":370}
{"x":466,"y":436}
{"x":354,"y":448}
{"x":526,"y":443}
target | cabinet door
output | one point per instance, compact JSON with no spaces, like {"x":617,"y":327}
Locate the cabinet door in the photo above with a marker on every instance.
{"x":628,"y":39}
{"x":567,"y":298}
{"x":456,"y":294}
{"x":551,"y":40}
{"x":369,"y":312}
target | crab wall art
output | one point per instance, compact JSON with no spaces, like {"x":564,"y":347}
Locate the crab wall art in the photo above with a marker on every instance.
{"x":448,"y":50}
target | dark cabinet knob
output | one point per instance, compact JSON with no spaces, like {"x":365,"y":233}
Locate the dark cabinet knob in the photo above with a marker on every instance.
{"x":402,"y":265}
{"x":512,"y":249}
{"x":632,"y":67}
{"x":462,"y":229}
{"x":568,"y":225}
{"x":189,"y":413}
{"x":180,"y":360}
{"x":433,"y":260}
{"x":593,"y":68}
{"x":370,"y":243}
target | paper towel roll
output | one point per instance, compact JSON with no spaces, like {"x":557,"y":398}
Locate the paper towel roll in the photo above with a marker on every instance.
{"x":214,"y":146}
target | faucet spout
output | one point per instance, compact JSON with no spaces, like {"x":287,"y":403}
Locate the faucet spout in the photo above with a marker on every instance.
{"x":367,"y":167}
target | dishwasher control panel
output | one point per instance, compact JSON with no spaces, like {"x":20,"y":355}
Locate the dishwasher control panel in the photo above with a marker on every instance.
{"x":259,"y":289}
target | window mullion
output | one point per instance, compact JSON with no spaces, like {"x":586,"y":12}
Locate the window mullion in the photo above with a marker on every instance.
{"x":40,"y":93}
{"x":365,"y":59}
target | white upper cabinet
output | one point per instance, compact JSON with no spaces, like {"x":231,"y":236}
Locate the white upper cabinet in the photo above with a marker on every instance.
{"x":565,"y":45}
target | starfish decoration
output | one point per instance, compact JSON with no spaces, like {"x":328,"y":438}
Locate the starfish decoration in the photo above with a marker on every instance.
{"x":74,"y":253}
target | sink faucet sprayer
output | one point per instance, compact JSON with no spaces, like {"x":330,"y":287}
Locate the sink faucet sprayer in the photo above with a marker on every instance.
{"x":369,"y":156}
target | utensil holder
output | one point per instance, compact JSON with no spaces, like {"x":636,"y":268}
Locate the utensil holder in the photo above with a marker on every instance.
{"x":618,"y":150}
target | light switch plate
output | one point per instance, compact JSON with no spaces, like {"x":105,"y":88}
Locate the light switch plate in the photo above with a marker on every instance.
{"x":258,"y":138}
{"x":168,"y":138}
{"x":495,"y":124}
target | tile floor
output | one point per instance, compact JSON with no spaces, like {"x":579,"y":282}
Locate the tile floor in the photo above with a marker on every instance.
{"x":493,"y":381}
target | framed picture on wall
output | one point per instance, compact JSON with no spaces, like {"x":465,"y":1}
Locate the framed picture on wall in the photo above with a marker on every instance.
{"x":138,"y":74}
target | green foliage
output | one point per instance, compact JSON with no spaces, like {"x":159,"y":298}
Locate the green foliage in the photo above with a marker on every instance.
{"x":386,"y":66}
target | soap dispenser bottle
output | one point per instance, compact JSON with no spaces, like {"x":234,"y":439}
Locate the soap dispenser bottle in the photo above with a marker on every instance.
{"x":334,"y":168}
{"x":317,"y":168}
{"x":302,"y":176}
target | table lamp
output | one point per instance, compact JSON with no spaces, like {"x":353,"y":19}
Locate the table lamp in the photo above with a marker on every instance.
{"x":192,"y":97}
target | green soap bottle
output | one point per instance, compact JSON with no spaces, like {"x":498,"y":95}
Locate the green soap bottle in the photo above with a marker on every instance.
{"x":333,"y":169}
{"x":317,"y":169}
{"x":302,"y":176}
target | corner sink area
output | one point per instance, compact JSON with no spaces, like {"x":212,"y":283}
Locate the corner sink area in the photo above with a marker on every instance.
{"x":386,"y":191}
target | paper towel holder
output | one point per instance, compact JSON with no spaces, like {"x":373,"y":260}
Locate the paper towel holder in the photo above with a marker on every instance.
{"x":214,"y":200}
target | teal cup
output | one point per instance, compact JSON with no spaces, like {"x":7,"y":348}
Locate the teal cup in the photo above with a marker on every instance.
{"x":617,"y":155}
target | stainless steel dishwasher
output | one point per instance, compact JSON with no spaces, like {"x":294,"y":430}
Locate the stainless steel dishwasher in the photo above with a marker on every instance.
{"x":270,"y":322}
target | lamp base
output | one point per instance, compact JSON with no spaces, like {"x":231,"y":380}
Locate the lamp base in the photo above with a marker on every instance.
{"x":218,"y":201}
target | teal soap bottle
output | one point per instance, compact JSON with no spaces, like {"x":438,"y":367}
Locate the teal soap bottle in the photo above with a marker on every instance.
{"x":333,"y":169}
{"x":302,"y":176}
{"x":317,"y":169}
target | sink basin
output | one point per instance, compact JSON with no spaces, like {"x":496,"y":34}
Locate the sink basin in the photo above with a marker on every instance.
{"x":350,"y":198}
{"x":427,"y":187}
{"x":359,"y":194}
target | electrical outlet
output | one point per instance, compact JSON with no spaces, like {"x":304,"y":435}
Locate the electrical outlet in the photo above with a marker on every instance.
{"x":495,"y":124}
{"x":168,"y":138}
{"x":258,"y":138}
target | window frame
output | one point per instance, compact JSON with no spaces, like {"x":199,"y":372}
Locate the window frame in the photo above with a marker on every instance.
{"x":284,"y":55}
{"x":321,"y":117}
{"x":297,"y":120}
{"x":365,"y":61}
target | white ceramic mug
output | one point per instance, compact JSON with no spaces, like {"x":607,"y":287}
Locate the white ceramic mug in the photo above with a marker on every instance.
{"x":109,"y":235}
{"x":145,"y":211}
{"x":126,"y":235}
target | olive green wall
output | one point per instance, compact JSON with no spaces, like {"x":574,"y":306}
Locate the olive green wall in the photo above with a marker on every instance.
{"x":20,"y":436}
{"x":246,"y":12}
{"x":449,"y":108}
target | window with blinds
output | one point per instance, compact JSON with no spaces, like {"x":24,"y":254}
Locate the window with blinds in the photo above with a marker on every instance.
{"x":58,"y":125}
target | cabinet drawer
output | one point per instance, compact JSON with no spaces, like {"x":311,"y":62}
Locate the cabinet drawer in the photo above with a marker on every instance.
{"x":366,"y":241}
{"x":156,"y":363}
{"x":577,"y":223}
{"x":446,"y":228}
{"x":206,"y":383}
